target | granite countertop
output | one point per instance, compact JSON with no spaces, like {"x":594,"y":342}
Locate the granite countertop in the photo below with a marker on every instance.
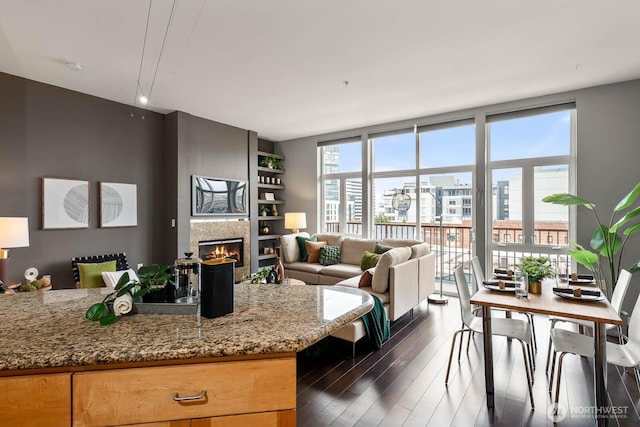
{"x":49,"y":329}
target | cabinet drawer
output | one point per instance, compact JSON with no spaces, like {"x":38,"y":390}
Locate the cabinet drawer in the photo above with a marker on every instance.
{"x":263,"y":419}
{"x":36,"y":400}
{"x":138,"y":395}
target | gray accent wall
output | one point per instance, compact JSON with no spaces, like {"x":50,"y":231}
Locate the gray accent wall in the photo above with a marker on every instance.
{"x":608,"y":155}
{"x":54,"y":132}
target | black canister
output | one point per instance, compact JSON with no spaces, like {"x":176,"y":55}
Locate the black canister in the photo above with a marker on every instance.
{"x":218,"y":279}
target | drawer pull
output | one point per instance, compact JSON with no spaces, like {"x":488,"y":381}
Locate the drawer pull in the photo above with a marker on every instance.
{"x":199,"y":396}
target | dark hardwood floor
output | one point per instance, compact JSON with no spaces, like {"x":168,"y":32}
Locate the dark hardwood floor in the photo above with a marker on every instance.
{"x":402,"y":384}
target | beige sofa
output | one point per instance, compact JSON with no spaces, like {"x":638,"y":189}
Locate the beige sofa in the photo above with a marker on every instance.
{"x":403,"y":277}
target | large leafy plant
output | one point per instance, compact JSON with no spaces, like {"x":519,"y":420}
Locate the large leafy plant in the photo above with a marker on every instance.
{"x":537,"y":268}
{"x":608,"y":241}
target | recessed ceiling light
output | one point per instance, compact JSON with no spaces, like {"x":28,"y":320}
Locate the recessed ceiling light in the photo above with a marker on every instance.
{"x":74,"y":66}
{"x":143,"y":99}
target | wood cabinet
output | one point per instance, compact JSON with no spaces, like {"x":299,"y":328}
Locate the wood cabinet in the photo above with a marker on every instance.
{"x":237,"y":392}
{"x":36,"y":400}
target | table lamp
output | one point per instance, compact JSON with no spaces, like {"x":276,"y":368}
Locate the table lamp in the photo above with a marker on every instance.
{"x":295,"y":221}
{"x":14,"y":233}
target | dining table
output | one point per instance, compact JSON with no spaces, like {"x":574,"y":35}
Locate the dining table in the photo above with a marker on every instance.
{"x":547,"y":302}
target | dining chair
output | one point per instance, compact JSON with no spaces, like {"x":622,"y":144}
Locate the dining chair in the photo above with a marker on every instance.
{"x":516,"y":329}
{"x":626,"y":355}
{"x":617,"y":298}
{"x":478,"y":275}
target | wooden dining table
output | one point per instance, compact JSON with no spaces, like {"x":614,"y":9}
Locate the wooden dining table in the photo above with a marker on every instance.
{"x":600,"y":313}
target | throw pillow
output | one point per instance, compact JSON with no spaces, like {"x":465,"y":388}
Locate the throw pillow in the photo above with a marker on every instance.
{"x":329,"y":255}
{"x":313,"y":250}
{"x":303,"y":248}
{"x":366,"y":278}
{"x":380,"y":249}
{"x":289,"y":247}
{"x":91,"y":273}
{"x":369,"y":260}
{"x":111,"y":278}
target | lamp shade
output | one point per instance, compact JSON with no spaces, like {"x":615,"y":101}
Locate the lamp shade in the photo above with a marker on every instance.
{"x":295,"y":221}
{"x":14,"y":232}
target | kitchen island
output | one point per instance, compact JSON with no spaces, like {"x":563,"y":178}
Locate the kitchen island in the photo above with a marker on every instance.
{"x":170,"y":370}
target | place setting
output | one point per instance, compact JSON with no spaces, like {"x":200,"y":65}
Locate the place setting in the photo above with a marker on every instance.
{"x":564,"y":290}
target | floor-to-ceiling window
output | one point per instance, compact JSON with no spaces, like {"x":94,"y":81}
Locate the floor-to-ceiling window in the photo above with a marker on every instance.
{"x":529,"y":158}
{"x":341,"y":185}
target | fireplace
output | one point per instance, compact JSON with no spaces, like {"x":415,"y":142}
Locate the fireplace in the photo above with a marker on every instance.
{"x":222,"y":248}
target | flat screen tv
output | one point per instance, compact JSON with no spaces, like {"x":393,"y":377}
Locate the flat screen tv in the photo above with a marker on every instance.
{"x":219,"y":197}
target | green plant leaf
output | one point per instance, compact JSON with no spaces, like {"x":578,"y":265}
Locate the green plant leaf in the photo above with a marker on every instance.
{"x":96,"y":311}
{"x":584,"y":257}
{"x":599,"y":242}
{"x":124,"y":279}
{"x":630,"y":215}
{"x":108,"y":319}
{"x":567,"y":199}
{"x":631,"y":229}
{"x":628,"y":199}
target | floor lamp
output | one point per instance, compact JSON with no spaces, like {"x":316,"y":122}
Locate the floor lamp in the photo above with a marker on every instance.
{"x":440,"y":299}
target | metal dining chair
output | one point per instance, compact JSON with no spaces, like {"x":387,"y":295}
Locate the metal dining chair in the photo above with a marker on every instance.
{"x":506,"y":327}
{"x":626,"y":355}
{"x":478,"y":275}
{"x":617,"y":298}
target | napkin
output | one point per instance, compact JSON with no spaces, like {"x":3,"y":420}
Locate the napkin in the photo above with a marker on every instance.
{"x":570,"y":291}
{"x":123,"y":304}
{"x":496,"y":283}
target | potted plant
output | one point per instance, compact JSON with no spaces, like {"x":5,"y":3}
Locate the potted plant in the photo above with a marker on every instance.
{"x":264,"y":210}
{"x":271,"y":162}
{"x":606,"y":241}
{"x":153,"y":278}
{"x":536,"y":268}
{"x":259,"y":277}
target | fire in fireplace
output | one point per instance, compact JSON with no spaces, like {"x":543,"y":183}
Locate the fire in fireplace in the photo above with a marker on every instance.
{"x":222,"y":248}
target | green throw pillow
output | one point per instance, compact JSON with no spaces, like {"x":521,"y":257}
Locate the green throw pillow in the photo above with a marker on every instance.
{"x":91,"y":273}
{"x":380,"y":249}
{"x":369,"y":260}
{"x":329,"y":255}
{"x":303,"y":247}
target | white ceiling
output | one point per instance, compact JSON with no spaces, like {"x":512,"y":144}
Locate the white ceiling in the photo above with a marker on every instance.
{"x":278,"y":66}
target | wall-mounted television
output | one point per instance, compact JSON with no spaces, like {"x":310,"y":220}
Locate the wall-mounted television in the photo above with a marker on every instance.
{"x":219,"y":196}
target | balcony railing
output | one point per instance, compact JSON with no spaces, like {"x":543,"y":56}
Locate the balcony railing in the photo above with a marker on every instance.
{"x":455,"y":247}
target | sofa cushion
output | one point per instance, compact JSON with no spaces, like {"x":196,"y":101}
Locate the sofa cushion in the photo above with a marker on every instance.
{"x":369,"y":260}
{"x":341,"y":270}
{"x":289,"y":247}
{"x":353,"y":248}
{"x":303,"y":266}
{"x":332,"y":239}
{"x":380,"y":282}
{"x":366,"y":278}
{"x":419,"y":250}
{"x":329,"y":255}
{"x":303,"y":247}
{"x":396,"y":243}
{"x":91,"y":273}
{"x":313,"y":250}
{"x":380,"y":249}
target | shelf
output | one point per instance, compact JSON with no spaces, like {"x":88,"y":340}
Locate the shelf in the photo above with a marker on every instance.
{"x":269,"y":237}
{"x":269,"y":256}
{"x":266,"y":154}
{"x":270,"y":202}
{"x":272,"y":186}
{"x":270,"y":218}
{"x":269,"y":170}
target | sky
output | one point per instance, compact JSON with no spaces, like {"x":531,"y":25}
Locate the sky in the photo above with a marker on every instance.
{"x":527,"y":137}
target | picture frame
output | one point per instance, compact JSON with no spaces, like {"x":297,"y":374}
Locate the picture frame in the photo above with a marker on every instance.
{"x":269,"y":196}
{"x":65,"y":203}
{"x":118,"y":204}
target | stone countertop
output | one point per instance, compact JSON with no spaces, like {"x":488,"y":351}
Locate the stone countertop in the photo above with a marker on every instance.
{"x":49,"y":329}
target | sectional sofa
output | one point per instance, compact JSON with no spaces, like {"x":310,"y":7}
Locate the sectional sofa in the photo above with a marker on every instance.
{"x":402,"y":278}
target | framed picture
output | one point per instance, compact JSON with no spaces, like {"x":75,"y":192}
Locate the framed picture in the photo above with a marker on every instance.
{"x":269,"y":196}
{"x":118,"y":204}
{"x":65,"y":203}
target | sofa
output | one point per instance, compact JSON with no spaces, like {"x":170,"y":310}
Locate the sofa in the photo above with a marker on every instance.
{"x":402,"y":278}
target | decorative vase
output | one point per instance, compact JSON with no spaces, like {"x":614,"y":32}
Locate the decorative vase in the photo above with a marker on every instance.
{"x":279,"y":267}
{"x":265,"y":230}
{"x":535,"y":287}
{"x":274,"y":211}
